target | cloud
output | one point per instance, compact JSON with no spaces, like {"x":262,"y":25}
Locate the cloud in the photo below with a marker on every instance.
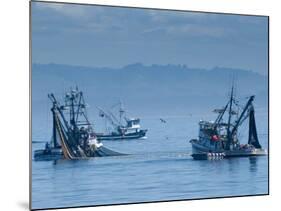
{"x":184,"y":23}
{"x":59,"y":17}
{"x":196,"y":30}
{"x":74,"y":11}
{"x":169,"y":17}
{"x":124,"y":21}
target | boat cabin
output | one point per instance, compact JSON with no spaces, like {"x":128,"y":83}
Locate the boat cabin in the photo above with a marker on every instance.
{"x":133,"y":123}
{"x":214,"y":135}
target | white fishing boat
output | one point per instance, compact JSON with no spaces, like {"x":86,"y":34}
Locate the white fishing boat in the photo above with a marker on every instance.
{"x":122,"y":128}
{"x":219,"y":139}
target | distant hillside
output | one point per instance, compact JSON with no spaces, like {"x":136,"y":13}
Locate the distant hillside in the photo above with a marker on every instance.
{"x":155,"y":88}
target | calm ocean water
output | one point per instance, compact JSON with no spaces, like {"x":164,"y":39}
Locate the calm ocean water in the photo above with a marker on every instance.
{"x":157,"y":168}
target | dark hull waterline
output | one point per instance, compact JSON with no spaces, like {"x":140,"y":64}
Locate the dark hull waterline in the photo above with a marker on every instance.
{"x":129,"y":136}
{"x":57,"y":154}
{"x":201,"y":152}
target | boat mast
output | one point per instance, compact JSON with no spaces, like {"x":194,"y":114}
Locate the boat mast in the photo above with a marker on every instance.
{"x":121,"y":112}
{"x":229,"y":137}
{"x":54,"y":128}
{"x":72,"y":112}
{"x":79,"y":105}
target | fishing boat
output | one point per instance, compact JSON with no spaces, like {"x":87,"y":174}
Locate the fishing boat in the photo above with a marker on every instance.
{"x":122,"y":128}
{"x":73,"y":138}
{"x":219,"y":139}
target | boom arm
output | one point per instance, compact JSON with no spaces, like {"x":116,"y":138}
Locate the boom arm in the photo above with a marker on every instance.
{"x":221,"y":115}
{"x":108,"y":117}
{"x":241,"y":119}
{"x":56,"y":107}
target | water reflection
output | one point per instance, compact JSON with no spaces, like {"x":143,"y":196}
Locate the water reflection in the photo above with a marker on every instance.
{"x":253,"y":164}
{"x":156,"y":169}
{"x":233,"y":164}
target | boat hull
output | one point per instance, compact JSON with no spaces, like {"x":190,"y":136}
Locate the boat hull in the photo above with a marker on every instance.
{"x":114,"y":136}
{"x":57,"y":154}
{"x":198,"y":150}
{"x":48,"y":155}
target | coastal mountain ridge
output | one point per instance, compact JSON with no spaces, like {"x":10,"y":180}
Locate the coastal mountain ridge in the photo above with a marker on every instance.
{"x":150,"y":87}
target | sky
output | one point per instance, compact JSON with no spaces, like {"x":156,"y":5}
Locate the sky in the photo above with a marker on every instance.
{"x":98,"y":36}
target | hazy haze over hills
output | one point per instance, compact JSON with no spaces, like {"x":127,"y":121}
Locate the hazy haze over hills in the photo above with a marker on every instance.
{"x":148,"y":90}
